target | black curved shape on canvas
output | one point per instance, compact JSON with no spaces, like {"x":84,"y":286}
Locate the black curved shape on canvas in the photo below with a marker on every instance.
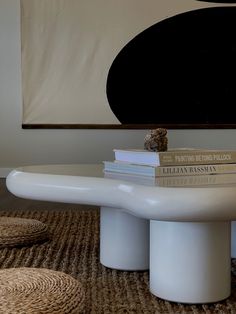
{"x":180,"y":70}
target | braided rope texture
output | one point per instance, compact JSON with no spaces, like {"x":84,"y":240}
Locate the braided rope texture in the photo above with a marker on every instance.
{"x":38,"y":290}
{"x":21,"y":231}
{"x":74,"y":250}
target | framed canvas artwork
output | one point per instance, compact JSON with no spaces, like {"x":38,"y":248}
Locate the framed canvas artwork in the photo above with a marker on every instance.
{"x":128,"y":64}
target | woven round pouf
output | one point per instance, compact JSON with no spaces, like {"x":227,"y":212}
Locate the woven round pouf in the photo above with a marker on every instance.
{"x":39,"y":291}
{"x":21,"y":231}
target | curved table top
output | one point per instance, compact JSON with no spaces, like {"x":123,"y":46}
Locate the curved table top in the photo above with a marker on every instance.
{"x":166,"y":199}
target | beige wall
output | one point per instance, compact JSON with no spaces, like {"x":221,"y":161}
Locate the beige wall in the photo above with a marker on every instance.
{"x":21,"y":147}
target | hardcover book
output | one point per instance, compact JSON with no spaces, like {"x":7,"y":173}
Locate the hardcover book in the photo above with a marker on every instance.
{"x":166,"y":171}
{"x":179,"y":156}
{"x":177,"y":181}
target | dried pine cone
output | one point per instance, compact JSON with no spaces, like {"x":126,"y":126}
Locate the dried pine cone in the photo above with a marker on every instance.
{"x":156,"y":141}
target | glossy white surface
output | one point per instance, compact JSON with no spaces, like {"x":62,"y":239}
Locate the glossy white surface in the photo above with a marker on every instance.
{"x":190,"y":226}
{"x":84,"y":184}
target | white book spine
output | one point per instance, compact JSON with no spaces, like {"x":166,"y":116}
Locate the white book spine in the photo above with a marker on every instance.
{"x":165,"y":171}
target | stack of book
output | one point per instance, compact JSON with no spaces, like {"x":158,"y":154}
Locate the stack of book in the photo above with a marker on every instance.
{"x":183,"y":166}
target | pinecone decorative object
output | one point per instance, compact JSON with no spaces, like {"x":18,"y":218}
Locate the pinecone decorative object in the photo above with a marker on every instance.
{"x":157,"y":140}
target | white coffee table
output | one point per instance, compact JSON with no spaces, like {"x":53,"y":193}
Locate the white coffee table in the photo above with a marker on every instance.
{"x":190,"y":254}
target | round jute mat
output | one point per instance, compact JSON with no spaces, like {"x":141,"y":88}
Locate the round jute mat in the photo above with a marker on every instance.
{"x":20,"y":231}
{"x":38,"y":290}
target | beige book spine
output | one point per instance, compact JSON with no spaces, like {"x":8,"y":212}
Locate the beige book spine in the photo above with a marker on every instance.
{"x":197,"y":157}
{"x":203,"y":180}
{"x":195,"y":170}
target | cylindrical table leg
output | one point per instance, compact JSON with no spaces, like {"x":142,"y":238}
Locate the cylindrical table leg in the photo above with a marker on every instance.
{"x":190,"y":262}
{"x":124,"y":240}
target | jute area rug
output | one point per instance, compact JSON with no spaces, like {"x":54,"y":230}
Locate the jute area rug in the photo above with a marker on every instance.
{"x":74,"y":249}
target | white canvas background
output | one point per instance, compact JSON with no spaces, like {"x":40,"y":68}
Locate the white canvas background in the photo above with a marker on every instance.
{"x":68,"y":47}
